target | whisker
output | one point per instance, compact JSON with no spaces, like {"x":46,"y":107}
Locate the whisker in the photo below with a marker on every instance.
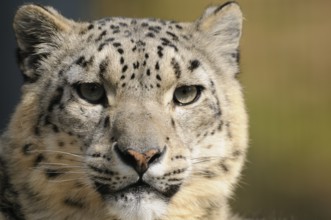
{"x":62,"y":164}
{"x":67,"y":180}
{"x":59,"y":152}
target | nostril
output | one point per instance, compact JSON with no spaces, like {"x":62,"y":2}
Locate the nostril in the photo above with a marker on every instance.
{"x":137,"y":160}
{"x":126,"y":158}
{"x":154,"y":158}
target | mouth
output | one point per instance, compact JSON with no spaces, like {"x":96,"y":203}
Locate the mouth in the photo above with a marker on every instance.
{"x":137,"y":189}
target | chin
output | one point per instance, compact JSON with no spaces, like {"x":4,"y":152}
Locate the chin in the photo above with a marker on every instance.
{"x":138,"y":205}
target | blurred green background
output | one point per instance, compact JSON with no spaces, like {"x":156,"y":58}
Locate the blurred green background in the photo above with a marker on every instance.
{"x":286,"y":73}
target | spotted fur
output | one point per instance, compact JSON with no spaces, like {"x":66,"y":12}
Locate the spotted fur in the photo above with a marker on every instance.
{"x":138,"y":151}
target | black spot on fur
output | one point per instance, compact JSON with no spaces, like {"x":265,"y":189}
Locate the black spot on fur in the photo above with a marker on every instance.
{"x":171,"y":190}
{"x":117,"y":44}
{"x":208,"y":174}
{"x":56,"y":99}
{"x":103,"y":66}
{"x":224,"y":167}
{"x":122,"y":60}
{"x":144,"y":24}
{"x":120,"y":50}
{"x":157,"y":66}
{"x":80,"y":61}
{"x":125,"y":68}
{"x":176,"y":67}
{"x":106,"y":122}
{"x":101,"y":170}
{"x":150,"y":34}
{"x":38,"y":160}
{"x":91,"y":26}
{"x":179,"y":27}
{"x":74,"y":203}
{"x":220,"y":126}
{"x":174,"y":36}
{"x":173,"y":124}
{"x":160,"y":51}
{"x":158,"y":77}
{"x":155,"y":29}
{"x":133,"y":76}
{"x":103,"y":189}
{"x":194,"y":64}
{"x":52,"y":173}
{"x":136,"y":65}
{"x":148,"y":72}
{"x":26,"y":149}
{"x":103,"y":33}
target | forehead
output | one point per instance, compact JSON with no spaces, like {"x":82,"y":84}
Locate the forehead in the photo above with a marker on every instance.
{"x":135,"y":53}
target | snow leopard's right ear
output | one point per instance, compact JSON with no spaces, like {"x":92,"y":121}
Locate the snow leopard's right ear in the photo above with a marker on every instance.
{"x":38,"y":30}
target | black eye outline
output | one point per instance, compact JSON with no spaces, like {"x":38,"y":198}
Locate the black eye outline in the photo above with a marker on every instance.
{"x":188,"y":89}
{"x":83,"y":89}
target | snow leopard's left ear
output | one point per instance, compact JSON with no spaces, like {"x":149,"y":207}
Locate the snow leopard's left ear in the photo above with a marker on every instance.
{"x":38,"y":32}
{"x":220,"y":31}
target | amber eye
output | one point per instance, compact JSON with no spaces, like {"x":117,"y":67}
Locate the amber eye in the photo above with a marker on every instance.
{"x":91,"y":92}
{"x":186,"y":95}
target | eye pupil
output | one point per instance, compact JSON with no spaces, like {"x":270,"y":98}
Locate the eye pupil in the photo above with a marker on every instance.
{"x":186,"y":95}
{"x":91,"y":92}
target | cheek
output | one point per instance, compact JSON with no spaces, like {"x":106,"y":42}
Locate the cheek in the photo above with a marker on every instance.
{"x":79,"y":118}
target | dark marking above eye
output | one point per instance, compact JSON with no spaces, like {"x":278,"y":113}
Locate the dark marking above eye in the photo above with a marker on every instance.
{"x":176,"y":67}
{"x":103,"y":66}
{"x":194,"y":64}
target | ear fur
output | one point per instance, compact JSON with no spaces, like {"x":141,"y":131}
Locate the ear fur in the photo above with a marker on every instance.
{"x":36,"y":28}
{"x":220,"y":29}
